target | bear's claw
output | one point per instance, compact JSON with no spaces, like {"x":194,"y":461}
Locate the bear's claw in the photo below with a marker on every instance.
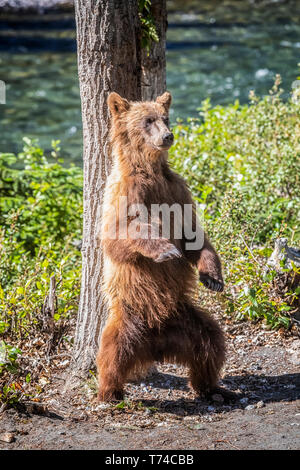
{"x":211,"y":283}
{"x":167,"y":255}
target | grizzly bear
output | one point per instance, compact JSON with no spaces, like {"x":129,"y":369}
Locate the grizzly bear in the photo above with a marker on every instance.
{"x":150,"y":282}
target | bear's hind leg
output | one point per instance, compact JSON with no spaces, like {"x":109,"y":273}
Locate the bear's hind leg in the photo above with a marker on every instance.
{"x":122,"y":354}
{"x":110,"y":374}
{"x":115,"y":361}
{"x":193,"y":338}
{"x":208,"y":353}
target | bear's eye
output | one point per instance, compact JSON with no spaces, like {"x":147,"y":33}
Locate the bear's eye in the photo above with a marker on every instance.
{"x":166,"y":121}
{"x":149,"y":121}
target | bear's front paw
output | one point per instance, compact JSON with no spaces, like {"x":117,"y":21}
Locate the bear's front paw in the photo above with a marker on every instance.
{"x":211,"y":282}
{"x":171,"y":253}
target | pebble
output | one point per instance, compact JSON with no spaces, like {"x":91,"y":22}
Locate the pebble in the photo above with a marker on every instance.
{"x":217,"y":397}
{"x":250,"y":407}
{"x":260,"y":404}
{"x":199,"y":427}
{"x":243,"y":401}
{"x":102,"y":406}
{"x":7,"y":437}
{"x":211,"y":408}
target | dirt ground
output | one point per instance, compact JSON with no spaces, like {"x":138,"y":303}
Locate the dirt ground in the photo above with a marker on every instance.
{"x":162,"y":412}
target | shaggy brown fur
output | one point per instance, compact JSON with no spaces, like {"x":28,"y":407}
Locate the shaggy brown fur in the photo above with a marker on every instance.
{"x":151,"y":284}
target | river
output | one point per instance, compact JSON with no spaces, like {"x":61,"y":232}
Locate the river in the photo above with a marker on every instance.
{"x":219,"y":51}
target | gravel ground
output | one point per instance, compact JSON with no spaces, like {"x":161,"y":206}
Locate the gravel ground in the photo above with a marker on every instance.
{"x":162,"y":412}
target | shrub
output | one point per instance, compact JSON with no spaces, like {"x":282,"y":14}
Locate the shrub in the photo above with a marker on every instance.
{"x":40,"y":220}
{"x":243,"y":164}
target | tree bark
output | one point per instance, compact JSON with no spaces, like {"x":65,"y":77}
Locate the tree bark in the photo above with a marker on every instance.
{"x":154,"y":63}
{"x":108,"y":41}
{"x":109,"y":59}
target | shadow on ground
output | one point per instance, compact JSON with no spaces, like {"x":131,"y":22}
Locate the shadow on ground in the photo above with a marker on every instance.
{"x":253,"y":388}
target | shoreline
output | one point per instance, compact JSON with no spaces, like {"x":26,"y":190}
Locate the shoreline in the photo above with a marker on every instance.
{"x":42,"y":7}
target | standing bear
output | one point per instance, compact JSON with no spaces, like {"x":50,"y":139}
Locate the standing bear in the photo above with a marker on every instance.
{"x":150,"y":279}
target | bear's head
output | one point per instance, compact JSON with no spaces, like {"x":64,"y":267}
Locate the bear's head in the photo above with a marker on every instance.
{"x":144,"y":126}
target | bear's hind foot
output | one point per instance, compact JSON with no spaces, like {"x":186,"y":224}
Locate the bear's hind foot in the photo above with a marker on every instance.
{"x":110,"y":395}
{"x":227,"y":395}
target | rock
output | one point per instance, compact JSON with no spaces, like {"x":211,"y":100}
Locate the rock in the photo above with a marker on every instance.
{"x":250,"y":407}
{"x":283,"y":252}
{"x":199,"y":427}
{"x":295,"y":358}
{"x":102,"y":406}
{"x":217,"y":397}
{"x":211,"y":408}
{"x":7,"y":437}
{"x":287,"y":279}
{"x":243,"y":401}
{"x":260,"y":404}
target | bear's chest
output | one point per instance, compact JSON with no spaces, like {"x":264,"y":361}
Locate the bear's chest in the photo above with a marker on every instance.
{"x":151,"y":191}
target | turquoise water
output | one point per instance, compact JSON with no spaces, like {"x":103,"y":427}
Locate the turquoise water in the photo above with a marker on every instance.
{"x":220,"y":61}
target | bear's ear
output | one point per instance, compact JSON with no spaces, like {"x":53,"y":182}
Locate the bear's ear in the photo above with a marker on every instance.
{"x":117,"y":104}
{"x":165,"y":100}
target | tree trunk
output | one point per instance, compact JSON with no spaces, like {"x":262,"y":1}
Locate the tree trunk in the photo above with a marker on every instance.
{"x":154,"y":63}
{"x":108,"y":41}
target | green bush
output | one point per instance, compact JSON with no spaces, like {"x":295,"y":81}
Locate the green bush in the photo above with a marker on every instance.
{"x":40,"y":219}
{"x":243,"y":165}
{"x":10,"y":392}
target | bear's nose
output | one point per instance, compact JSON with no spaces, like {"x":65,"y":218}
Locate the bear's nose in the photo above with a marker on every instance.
{"x":168,"y":138}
